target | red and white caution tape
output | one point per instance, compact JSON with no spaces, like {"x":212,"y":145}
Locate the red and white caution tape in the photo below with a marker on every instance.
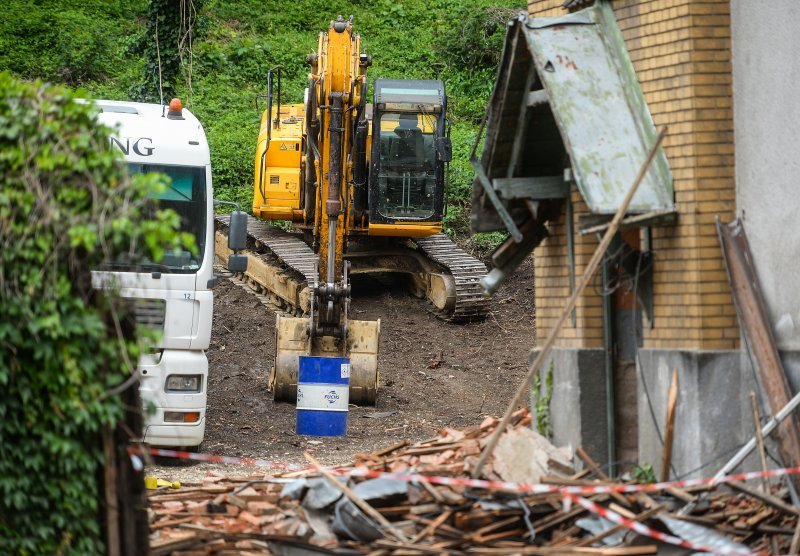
{"x":582,"y":490}
{"x":643,"y":529}
{"x":524,"y":488}
{"x":211,"y":458}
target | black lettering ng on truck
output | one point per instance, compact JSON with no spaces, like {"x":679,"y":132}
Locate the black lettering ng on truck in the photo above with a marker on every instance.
{"x":148,"y":150}
{"x":138,"y":147}
{"x":126,"y":149}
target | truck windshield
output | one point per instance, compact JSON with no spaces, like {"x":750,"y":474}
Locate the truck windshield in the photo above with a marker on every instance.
{"x":186,"y":195}
{"x":407,"y":165}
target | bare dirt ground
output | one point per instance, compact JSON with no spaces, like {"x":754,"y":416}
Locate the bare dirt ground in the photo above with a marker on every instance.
{"x":432,"y":374}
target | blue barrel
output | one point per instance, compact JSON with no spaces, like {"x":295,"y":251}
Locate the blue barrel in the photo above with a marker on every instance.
{"x":323,"y":392}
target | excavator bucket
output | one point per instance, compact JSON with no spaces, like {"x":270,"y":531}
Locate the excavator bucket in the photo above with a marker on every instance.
{"x":361,"y":346}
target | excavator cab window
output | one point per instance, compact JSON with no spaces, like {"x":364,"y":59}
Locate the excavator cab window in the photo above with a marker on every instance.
{"x":407,"y":170}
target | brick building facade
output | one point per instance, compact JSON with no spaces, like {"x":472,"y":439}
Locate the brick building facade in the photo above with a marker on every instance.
{"x":681,"y":51}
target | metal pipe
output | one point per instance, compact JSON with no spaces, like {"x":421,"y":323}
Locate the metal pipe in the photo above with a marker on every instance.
{"x":278,"y":115}
{"x":331,"y":249}
{"x":333,"y":204}
{"x":765,"y":431}
{"x":263,"y":165}
{"x":568,"y":221}
{"x":312,"y":153}
{"x":608,"y":347}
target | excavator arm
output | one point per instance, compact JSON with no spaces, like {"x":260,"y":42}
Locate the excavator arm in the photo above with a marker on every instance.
{"x":334,"y":107}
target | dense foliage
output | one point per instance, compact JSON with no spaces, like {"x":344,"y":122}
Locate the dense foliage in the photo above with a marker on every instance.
{"x":227,"y":47}
{"x":167,"y":59}
{"x":65,"y":206}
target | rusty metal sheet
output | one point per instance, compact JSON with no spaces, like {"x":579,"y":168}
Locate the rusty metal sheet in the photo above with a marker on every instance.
{"x":599,"y":109}
{"x":755,"y":324}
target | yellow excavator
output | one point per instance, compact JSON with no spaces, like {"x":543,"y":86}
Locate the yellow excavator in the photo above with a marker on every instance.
{"x":363,"y":186}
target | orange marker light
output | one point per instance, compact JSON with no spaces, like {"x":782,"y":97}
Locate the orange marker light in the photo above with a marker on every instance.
{"x":191,"y":417}
{"x":175,"y":109}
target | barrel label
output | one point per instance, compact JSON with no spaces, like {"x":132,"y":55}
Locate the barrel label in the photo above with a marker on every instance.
{"x":322,"y":397}
{"x":345,"y":370}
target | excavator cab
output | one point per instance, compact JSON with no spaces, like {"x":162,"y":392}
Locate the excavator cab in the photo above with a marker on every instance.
{"x":409,"y":149}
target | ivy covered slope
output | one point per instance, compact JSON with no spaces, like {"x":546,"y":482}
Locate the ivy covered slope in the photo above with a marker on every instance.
{"x":66,"y":205}
{"x":108,"y":47}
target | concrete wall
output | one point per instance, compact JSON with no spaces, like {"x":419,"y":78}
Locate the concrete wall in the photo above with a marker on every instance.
{"x":766,"y":78}
{"x":713,"y":414}
{"x":578,"y":403}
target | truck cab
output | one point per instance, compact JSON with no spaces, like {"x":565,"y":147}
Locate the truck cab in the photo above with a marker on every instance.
{"x":172,"y":296}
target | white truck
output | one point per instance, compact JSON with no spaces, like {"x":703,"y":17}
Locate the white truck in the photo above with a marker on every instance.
{"x":173,"y":295}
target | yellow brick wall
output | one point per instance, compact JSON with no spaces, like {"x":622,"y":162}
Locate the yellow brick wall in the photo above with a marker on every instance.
{"x":681,"y":53}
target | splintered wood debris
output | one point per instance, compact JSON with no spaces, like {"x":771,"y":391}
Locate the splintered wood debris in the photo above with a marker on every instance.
{"x":302,"y":512}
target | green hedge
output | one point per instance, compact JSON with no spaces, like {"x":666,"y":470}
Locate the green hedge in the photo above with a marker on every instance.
{"x":65,"y":205}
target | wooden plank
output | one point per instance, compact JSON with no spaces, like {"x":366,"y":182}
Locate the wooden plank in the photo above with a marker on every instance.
{"x":433,"y":449}
{"x":596,"y":223}
{"x":522,"y":119}
{"x":536,"y":188}
{"x":390,"y":449}
{"x":499,"y":96}
{"x":672,"y":402}
{"x":795,"y":546}
{"x":563,"y":550}
{"x":757,"y":328}
{"x":431,"y":527}
{"x":762,"y":452}
{"x":402,"y":548}
{"x":173,"y":522}
{"x":591,"y":464}
{"x":773,"y":501}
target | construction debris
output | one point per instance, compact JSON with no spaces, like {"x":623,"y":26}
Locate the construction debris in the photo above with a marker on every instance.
{"x":301,"y":512}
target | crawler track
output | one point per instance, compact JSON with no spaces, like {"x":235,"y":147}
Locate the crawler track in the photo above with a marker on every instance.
{"x":291,"y":250}
{"x":467,"y":271}
{"x":292,"y":255}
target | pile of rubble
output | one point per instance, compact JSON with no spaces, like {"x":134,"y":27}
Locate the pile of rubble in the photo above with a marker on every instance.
{"x":304,"y":512}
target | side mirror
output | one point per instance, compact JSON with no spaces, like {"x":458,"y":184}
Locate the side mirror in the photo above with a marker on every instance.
{"x":444,"y":149}
{"x":237,"y":263}
{"x":237,"y":231}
